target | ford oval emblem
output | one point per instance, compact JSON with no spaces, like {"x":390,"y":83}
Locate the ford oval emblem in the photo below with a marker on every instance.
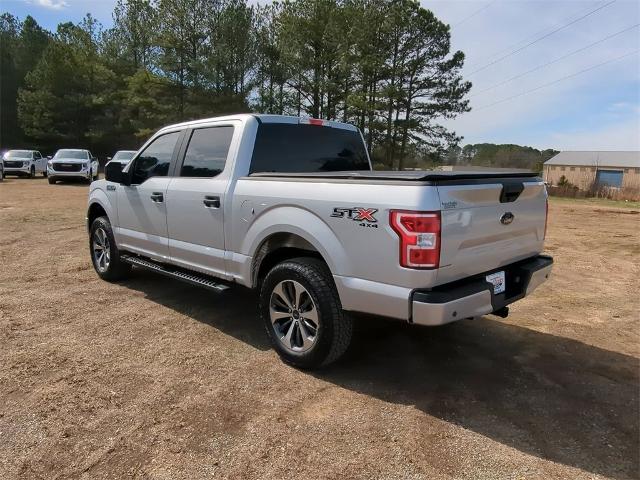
{"x":507,"y":218}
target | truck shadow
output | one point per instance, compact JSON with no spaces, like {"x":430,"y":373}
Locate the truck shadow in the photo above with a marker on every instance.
{"x":548,"y":396}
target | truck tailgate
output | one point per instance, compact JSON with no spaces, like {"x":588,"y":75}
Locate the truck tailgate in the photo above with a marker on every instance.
{"x":489,"y":225}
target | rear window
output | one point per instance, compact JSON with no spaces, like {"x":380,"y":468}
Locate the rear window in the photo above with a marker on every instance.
{"x":292,"y":148}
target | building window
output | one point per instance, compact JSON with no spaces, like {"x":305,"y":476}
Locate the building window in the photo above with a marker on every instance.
{"x":593,"y":169}
{"x":562,"y":169}
{"x":626,"y":170}
{"x":572,"y":168}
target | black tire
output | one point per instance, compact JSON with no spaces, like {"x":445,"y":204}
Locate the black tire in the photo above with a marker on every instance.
{"x":32,"y":172}
{"x":52,"y":181}
{"x":333,"y":334}
{"x":116,"y":268}
{"x":44,"y":172}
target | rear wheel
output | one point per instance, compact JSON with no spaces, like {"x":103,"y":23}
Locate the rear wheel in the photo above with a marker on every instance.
{"x":105,"y":255}
{"x":52,"y":181}
{"x":301,"y":311}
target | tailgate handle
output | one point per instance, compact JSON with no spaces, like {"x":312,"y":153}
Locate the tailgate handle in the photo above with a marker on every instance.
{"x":511,"y":191}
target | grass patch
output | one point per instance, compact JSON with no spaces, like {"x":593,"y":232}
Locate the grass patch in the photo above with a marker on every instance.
{"x":598,"y":202}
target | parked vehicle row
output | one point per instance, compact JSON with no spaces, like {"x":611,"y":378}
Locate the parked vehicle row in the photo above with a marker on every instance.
{"x":67,"y":163}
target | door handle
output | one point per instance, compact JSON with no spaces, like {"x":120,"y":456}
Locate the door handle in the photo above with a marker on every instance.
{"x":211,"y":201}
{"x":157,"y":197}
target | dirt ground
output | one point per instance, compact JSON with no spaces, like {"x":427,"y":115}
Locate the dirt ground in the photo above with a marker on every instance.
{"x":154,"y":378}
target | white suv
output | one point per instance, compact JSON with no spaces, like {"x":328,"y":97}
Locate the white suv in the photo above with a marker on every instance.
{"x":72,"y":163}
{"x":25,"y":163}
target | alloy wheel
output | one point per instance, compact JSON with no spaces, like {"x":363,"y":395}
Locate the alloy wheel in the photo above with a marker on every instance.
{"x":294,"y":316}
{"x":101,"y":250}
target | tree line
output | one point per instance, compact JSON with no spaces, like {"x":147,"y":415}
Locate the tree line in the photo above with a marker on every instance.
{"x":499,"y":156}
{"x":383,"y":65}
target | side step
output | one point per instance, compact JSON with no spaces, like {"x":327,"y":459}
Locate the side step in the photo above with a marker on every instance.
{"x":187,"y":276}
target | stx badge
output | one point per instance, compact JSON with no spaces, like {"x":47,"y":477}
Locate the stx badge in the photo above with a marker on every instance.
{"x":357,"y":214}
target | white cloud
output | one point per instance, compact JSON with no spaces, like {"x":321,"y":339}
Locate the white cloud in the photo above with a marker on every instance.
{"x":52,"y":4}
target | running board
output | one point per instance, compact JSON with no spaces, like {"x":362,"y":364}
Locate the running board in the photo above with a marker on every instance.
{"x":187,"y":276}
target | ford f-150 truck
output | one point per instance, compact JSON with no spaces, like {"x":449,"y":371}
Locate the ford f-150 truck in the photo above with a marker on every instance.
{"x":291,"y":207}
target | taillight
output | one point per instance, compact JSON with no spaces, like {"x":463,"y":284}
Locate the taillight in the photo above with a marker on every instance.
{"x":546,"y":217}
{"x":419,"y":234}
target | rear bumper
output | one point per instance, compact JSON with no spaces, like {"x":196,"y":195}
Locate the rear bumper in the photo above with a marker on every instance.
{"x":474,"y":296}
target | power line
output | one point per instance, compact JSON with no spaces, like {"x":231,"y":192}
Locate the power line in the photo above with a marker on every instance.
{"x":554,"y":81}
{"x":473,"y":14}
{"x":513,"y":52}
{"x":554,"y":61}
{"x":525,"y":39}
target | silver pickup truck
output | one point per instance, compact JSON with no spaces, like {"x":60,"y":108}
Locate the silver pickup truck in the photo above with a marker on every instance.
{"x":290,"y":206}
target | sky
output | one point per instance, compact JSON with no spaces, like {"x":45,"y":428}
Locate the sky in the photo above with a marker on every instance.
{"x":576,"y":65}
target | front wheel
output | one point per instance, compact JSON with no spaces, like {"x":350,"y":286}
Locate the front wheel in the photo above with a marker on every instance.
{"x":301,"y":310}
{"x":105,"y":255}
{"x":32,"y":172}
{"x":52,"y":181}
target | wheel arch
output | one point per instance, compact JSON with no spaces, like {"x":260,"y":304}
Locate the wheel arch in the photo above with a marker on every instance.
{"x":99,"y":205}
{"x":299,"y":232}
{"x":279,"y":247}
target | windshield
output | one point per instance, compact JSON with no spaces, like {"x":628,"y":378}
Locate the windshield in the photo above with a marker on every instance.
{"x":79,"y":154}
{"x":124,"y":155}
{"x":18,"y":154}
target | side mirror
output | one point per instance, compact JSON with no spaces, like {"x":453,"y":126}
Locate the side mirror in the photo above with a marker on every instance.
{"x":113,"y":172}
{"x":108,"y":159}
{"x":49,"y":157}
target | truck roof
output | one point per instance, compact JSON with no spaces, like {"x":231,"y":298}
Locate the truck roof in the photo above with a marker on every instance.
{"x":266,"y":118}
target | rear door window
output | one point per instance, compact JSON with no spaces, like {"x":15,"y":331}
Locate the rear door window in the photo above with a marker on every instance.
{"x":283,"y":147}
{"x":207,"y":152}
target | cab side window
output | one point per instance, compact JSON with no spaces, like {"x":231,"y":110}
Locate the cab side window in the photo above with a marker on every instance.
{"x":207,"y":152}
{"x":154,"y":160}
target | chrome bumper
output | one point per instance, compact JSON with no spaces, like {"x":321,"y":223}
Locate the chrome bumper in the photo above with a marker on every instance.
{"x":474,"y":297}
